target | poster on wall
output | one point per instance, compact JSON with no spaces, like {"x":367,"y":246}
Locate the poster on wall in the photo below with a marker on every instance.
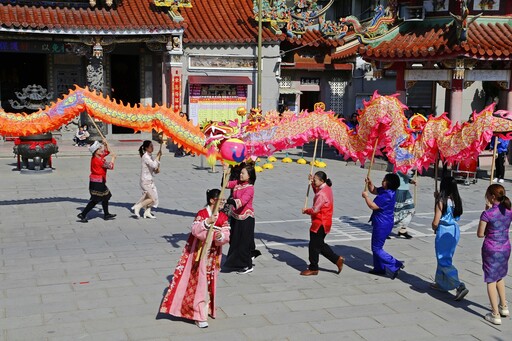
{"x":215,"y":102}
{"x":486,"y":5}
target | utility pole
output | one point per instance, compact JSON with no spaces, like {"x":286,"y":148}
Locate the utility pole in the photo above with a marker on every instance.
{"x":260,"y":29}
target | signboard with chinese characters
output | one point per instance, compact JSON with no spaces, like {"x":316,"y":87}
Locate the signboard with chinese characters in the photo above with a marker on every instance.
{"x":215,"y":102}
{"x":32,"y":47}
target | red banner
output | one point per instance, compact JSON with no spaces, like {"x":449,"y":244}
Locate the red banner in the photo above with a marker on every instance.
{"x":176,"y":92}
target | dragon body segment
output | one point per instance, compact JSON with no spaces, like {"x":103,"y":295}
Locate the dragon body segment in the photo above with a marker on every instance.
{"x":139,"y":118}
{"x":382,"y":123}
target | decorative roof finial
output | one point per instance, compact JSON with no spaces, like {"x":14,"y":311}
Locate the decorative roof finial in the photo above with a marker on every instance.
{"x":462,"y":22}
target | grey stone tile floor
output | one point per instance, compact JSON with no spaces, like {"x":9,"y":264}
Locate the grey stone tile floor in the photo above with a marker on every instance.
{"x":104,"y":280}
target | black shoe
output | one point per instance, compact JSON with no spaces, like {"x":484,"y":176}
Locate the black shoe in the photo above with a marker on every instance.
{"x":405,"y":235}
{"x":255,"y":254}
{"x":109,"y":216}
{"x":378,"y":273}
{"x":388,"y":237}
{"x":83,"y":219}
{"x":395,"y":274}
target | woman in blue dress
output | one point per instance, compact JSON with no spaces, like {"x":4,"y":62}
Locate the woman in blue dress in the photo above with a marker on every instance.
{"x":448,"y":209}
{"x":382,"y":223}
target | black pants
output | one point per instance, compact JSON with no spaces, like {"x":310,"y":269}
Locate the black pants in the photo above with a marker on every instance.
{"x":99,"y":193}
{"x":318,"y":246}
{"x":500,"y":166}
{"x":92,"y":203}
{"x":241,"y":243}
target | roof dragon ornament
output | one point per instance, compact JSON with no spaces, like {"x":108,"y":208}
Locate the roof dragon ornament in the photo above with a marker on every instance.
{"x":379,"y":25}
{"x":462,"y":22}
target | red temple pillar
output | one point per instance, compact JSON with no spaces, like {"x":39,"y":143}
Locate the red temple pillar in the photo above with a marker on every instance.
{"x":455,"y":113}
{"x":400,"y":83}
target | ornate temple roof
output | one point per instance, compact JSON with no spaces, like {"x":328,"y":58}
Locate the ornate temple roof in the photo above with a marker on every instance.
{"x":433,"y":40}
{"x":129,"y":18}
{"x":223,"y":21}
{"x":205,"y":22}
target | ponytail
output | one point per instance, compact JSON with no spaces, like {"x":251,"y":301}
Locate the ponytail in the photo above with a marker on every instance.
{"x":143,"y":147}
{"x":322,"y":176}
{"x":505,"y":201}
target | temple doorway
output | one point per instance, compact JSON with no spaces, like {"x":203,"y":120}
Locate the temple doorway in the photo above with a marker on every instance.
{"x":125,"y":83}
{"x":308,"y":100}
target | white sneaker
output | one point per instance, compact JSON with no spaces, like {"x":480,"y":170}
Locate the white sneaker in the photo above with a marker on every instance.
{"x":494,"y":319}
{"x":503,"y":309}
{"x":501,"y":181}
{"x":244,"y":271}
{"x":202,"y":324}
{"x":495,"y":180}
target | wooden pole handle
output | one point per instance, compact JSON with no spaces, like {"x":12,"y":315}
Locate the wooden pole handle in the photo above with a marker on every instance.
{"x":310,"y":173}
{"x":101,"y":134}
{"x":208,"y":241}
{"x":371,"y":163}
{"x":493,"y":162}
{"x":162,"y":142}
{"x":436,"y":170}
{"x":415,"y":186}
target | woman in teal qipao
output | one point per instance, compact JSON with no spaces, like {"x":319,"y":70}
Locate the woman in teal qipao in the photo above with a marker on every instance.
{"x":448,"y":209}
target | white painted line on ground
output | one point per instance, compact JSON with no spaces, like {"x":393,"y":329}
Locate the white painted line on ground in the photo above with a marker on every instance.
{"x":471,"y":224}
{"x":423,"y":214}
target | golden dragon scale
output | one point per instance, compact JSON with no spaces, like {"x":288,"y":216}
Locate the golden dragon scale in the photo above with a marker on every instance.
{"x":139,"y":118}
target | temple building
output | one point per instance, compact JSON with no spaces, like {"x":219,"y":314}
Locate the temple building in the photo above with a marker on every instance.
{"x":448,"y":56}
{"x":196,"y":56}
{"x":202,"y":57}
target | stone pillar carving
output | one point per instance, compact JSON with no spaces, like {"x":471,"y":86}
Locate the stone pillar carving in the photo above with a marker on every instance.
{"x":95,"y":82}
{"x":173,"y":72}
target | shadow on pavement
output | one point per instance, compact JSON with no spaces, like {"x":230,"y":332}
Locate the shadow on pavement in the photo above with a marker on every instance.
{"x":176,"y":238}
{"x":85,"y":201}
{"x":421,"y":286}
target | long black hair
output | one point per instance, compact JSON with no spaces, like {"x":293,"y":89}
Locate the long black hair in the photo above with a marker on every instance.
{"x":448,"y":190}
{"x":322,"y":176}
{"x":144,"y":146}
{"x":212,"y":194}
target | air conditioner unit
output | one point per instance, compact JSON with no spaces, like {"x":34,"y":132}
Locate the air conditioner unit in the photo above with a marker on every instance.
{"x":412,"y":13}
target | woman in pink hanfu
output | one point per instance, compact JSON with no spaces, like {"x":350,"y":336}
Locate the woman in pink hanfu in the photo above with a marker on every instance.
{"x":191,"y":293}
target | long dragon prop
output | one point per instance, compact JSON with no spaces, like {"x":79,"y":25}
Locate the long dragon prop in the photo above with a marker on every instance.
{"x":381,"y":118}
{"x":139,"y":118}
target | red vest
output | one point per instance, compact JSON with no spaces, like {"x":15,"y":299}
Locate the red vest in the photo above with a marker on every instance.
{"x":323,"y":217}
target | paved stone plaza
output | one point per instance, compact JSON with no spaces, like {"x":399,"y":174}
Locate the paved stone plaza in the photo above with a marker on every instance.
{"x":104,"y":280}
